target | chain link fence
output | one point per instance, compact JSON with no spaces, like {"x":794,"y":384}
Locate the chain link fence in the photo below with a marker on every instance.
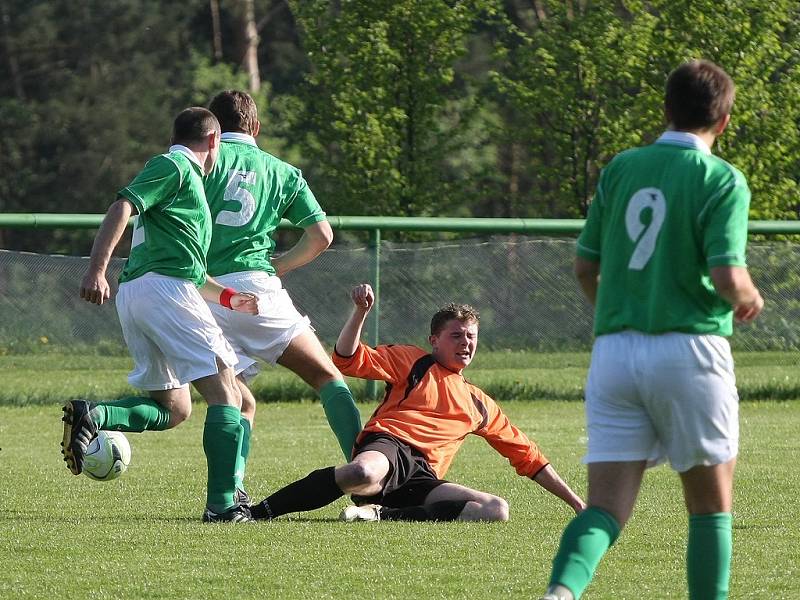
{"x":522,"y":286}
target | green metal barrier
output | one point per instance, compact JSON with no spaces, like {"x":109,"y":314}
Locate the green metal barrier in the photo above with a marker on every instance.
{"x":450,"y":224}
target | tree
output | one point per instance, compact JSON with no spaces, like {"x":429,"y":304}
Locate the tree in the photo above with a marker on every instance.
{"x":584,"y":80}
{"x":376,"y":99}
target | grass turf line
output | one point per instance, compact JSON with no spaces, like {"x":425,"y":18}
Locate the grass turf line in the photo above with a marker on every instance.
{"x":504,"y":375}
{"x":141,"y":537}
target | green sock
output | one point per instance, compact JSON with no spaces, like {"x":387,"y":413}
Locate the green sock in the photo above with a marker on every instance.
{"x":221,"y":443}
{"x":583,"y":543}
{"x":342,"y":414}
{"x":708,"y":556}
{"x":244,"y":452}
{"x":134,"y":413}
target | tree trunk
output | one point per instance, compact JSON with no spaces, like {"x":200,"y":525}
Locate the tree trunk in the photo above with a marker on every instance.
{"x":216,"y":30}
{"x":248,"y":34}
{"x":11,"y":55}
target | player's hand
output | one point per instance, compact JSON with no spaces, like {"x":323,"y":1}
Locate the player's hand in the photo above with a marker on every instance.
{"x":95,"y":288}
{"x":747,"y":312}
{"x":363,"y":297}
{"x":245,"y":302}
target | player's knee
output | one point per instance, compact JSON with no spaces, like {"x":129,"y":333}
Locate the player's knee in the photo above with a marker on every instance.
{"x":495,"y":509}
{"x":359,"y":477}
{"x":364,"y":474}
{"x":324,"y":376}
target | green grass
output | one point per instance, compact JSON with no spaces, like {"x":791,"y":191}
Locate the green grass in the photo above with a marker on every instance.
{"x":140,"y":537}
{"x":505,"y":375}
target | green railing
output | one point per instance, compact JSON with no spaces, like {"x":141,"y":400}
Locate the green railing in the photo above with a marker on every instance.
{"x":376,"y":225}
{"x":451,"y":224}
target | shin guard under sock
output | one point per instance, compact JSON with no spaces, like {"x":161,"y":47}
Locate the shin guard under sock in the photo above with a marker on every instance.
{"x":135,"y":414}
{"x":583,"y":543}
{"x":221,"y":443}
{"x":708,"y":556}
{"x":342,"y":414}
{"x":315,"y":490}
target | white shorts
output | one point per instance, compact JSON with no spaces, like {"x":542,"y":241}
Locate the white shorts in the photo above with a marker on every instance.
{"x":266,"y":335}
{"x":170,"y":332}
{"x":657,"y":397}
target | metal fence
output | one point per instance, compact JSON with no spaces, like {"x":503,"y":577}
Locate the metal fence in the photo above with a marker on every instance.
{"x":521,"y":282}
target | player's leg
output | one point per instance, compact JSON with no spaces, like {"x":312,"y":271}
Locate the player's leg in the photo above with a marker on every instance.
{"x":246,"y":422}
{"x":82,"y":419}
{"x":451,"y":502}
{"x":143,"y":322}
{"x":196,"y":351}
{"x":164,"y":409}
{"x":699,"y":423}
{"x":306,"y":357}
{"x":363,"y":475}
{"x":613,"y":488}
{"x":222,"y":440}
{"x":708,"y":492}
{"x":280,"y":334}
{"x":621,"y":440}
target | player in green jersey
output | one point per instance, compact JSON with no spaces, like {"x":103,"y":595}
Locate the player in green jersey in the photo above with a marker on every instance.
{"x":167,"y":325}
{"x":662,"y":258}
{"x":249,"y":191}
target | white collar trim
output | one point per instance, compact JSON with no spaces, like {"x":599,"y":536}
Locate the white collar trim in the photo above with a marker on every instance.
{"x":235,"y":136}
{"x":685,"y":139}
{"x":187,"y":151}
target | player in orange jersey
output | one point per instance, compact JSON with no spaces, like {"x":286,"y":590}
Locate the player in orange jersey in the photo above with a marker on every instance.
{"x":405,"y":449}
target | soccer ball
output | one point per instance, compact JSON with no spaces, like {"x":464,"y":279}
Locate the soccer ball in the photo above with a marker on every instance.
{"x":107,"y":456}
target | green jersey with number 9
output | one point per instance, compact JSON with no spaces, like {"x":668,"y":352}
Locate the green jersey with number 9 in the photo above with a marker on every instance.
{"x":249,"y":191}
{"x":172,"y":231}
{"x":661,"y":217}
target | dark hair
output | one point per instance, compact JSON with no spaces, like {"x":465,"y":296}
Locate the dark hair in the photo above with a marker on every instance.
{"x":193,"y":125}
{"x":236,"y":111}
{"x":699,"y":94}
{"x":462,"y":312}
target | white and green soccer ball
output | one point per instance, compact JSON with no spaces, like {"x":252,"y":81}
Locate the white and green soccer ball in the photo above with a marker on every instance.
{"x":107,"y":456}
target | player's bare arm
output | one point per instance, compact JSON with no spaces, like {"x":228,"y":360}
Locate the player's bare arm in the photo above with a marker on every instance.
{"x":587,"y":273}
{"x":315,"y":240}
{"x":243,"y":302}
{"x":94,"y":285}
{"x":734,"y":284}
{"x":552,"y":482}
{"x":363,"y":298}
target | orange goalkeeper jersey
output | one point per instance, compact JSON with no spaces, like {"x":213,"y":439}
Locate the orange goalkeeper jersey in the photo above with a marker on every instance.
{"x":433,"y":409}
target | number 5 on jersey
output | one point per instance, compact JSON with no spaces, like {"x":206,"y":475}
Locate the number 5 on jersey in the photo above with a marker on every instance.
{"x":235,"y":192}
{"x":644,"y":236}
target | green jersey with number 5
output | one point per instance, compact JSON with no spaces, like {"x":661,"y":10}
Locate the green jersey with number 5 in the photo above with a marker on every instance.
{"x":249,"y":191}
{"x":661,"y":217}
{"x":172,"y":231}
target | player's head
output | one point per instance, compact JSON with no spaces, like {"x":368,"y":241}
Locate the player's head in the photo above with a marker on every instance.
{"x":198,"y":129}
{"x":236,"y":111}
{"x":454,"y":336}
{"x":699,"y":97}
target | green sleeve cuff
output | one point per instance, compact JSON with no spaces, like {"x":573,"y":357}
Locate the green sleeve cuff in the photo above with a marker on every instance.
{"x":587,"y":253}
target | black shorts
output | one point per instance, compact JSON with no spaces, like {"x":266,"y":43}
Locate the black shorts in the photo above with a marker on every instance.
{"x":410,"y":478}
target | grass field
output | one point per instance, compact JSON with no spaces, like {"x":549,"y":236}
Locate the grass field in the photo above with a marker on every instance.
{"x":140,"y":537}
{"x":505,"y":375}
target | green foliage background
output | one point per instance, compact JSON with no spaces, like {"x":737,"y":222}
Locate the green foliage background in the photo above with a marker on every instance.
{"x":404,"y":107}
